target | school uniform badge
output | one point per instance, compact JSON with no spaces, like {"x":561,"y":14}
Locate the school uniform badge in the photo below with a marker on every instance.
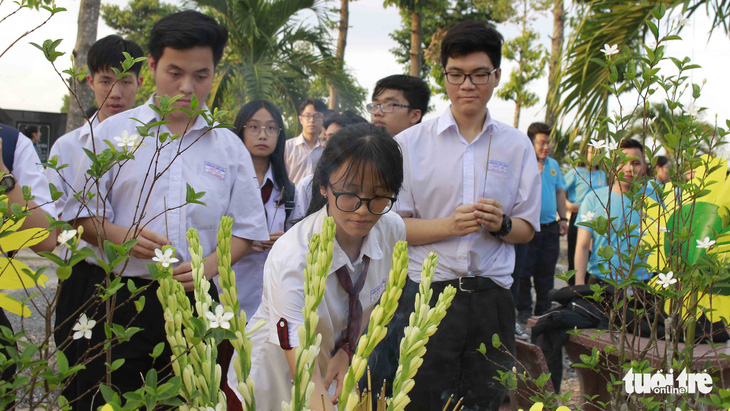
{"x":215,"y":170}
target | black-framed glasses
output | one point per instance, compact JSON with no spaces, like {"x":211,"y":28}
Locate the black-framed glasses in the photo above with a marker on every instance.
{"x":384,"y":107}
{"x":315,"y":116}
{"x":270,"y":131}
{"x":350,"y":202}
{"x":479,"y":77}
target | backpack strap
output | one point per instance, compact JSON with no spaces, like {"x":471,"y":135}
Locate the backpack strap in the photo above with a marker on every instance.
{"x":9,"y":137}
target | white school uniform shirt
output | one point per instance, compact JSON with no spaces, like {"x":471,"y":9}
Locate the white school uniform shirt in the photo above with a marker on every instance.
{"x":443,"y":171}
{"x":302,"y":197}
{"x":284,"y":298}
{"x":29,"y":172}
{"x":250,"y":268}
{"x":69,"y":150}
{"x":300,"y":159}
{"x":211,"y":160}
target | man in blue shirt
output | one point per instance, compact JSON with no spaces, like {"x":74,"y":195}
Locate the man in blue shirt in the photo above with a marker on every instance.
{"x":543,"y":250}
{"x":623,"y":235}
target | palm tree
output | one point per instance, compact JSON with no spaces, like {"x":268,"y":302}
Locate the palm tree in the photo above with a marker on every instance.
{"x":610,"y":22}
{"x":275,"y":56}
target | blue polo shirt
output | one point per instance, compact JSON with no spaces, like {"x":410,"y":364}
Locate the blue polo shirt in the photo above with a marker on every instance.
{"x":552,"y":181}
{"x":580,"y":180}
{"x":594,"y":205}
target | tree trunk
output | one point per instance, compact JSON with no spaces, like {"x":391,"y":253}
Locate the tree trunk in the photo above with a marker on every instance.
{"x":553,"y":99}
{"x":518,"y":108}
{"x":521,"y":65}
{"x":334,"y":100}
{"x":416,"y":41}
{"x":86,"y":36}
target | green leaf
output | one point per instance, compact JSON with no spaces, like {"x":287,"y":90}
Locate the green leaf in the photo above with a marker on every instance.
{"x":116,"y":364}
{"x":495,"y":341}
{"x":139,"y":304}
{"x":157,"y":351}
{"x":63,"y":272}
{"x":191,"y":197}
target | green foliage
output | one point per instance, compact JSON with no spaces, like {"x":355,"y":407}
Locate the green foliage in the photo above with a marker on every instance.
{"x":436,"y":17}
{"x":134,"y":21}
{"x":530,"y":58}
{"x":273,"y":55}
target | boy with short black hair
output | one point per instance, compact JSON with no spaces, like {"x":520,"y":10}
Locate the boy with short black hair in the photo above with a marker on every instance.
{"x":112,"y":96}
{"x":544,"y":249}
{"x":399,"y":101}
{"x":303,"y":151}
{"x":489,"y":199}
{"x":184,"y":50}
{"x":611,"y":202}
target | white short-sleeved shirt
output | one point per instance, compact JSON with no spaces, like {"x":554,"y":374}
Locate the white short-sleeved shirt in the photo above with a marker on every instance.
{"x":284,"y":298}
{"x":250,"y":268}
{"x":300,"y":159}
{"x":303,"y":197}
{"x":211,"y":160}
{"x":69,"y":150}
{"x":29,"y":172}
{"x":443,"y":171}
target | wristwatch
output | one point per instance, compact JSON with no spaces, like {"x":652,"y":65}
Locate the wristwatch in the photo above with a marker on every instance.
{"x":8,"y":182}
{"x":505,"y":229}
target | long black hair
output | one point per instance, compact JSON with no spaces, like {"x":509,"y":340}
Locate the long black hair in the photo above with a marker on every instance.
{"x":278,"y":166}
{"x":358,"y":146}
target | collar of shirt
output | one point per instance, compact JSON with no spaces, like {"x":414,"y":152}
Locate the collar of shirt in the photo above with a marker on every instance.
{"x":299,"y":140}
{"x":447,"y":121}
{"x":268,"y":176}
{"x":370,"y":247}
{"x":85,"y":129}
{"x":147,"y":115}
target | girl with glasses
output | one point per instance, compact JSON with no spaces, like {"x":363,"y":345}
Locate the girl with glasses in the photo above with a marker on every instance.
{"x":355,"y":182}
{"x":261,"y":127}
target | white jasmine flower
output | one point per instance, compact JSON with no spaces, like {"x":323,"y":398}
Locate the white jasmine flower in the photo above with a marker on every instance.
{"x":663,"y":229}
{"x":165,"y":258}
{"x":597,"y":144}
{"x":83,"y":327}
{"x":127,"y":140}
{"x":693,"y":110}
{"x":705,"y":243}
{"x":66,"y":235}
{"x":587,"y":216}
{"x":665,"y":280}
{"x":219,"y":319}
{"x":609,"y":50}
{"x":682,"y":22}
{"x":611,"y":145}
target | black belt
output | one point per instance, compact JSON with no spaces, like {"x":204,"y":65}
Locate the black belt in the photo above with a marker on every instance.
{"x":470,"y":284}
{"x":547,"y":225}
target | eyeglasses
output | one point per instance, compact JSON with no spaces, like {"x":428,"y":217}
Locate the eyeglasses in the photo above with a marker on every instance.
{"x":480,"y":77}
{"x":316,"y":116}
{"x":270,"y":131}
{"x":350,"y":202}
{"x":384,"y":107}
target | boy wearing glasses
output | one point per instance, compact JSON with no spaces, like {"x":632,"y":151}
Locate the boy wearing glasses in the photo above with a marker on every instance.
{"x":303,"y":151}
{"x":489,"y":199}
{"x":399,"y":102}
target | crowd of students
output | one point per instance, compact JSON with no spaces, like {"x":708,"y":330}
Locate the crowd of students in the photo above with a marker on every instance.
{"x":463,"y":185}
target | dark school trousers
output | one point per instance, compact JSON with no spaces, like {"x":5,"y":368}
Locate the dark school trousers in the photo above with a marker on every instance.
{"x":540,"y":266}
{"x":572,"y":240}
{"x":520,"y":257}
{"x":80,"y":290}
{"x":452,"y":365}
